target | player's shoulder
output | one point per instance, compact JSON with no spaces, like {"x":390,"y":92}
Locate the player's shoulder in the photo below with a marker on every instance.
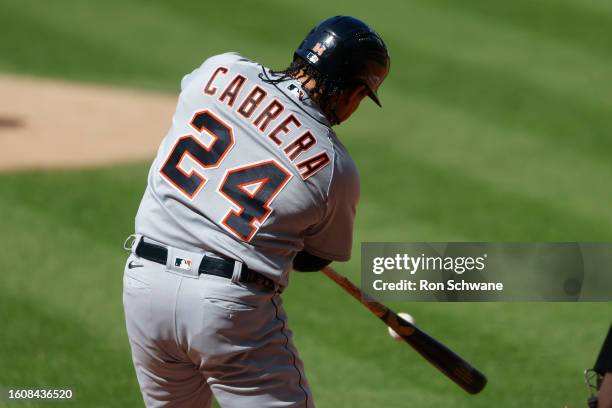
{"x":345,"y":168}
{"x":343,"y":176}
{"x":227,"y":58}
{"x":232,"y":60}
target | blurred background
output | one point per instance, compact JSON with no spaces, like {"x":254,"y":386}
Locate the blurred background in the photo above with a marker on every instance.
{"x":496,"y":126}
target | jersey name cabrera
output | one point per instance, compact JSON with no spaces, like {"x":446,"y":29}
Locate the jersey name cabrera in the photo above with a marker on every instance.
{"x":251,"y":171}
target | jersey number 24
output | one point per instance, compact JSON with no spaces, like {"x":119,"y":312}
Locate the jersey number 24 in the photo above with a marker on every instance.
{"x":251,"y":188}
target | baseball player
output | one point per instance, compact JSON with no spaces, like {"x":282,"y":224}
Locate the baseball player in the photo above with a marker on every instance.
{"x":249,"y":183}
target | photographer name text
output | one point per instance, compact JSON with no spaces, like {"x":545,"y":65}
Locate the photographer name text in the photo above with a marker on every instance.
{"x":423,"y":264}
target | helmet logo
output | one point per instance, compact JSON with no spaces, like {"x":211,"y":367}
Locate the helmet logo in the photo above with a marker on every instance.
{"x":319,"y":49}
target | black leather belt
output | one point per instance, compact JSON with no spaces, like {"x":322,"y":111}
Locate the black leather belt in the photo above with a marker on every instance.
{"x":209,"y":266}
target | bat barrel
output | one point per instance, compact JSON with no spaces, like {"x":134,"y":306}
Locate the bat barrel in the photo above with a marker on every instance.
{"x":449,"y":363}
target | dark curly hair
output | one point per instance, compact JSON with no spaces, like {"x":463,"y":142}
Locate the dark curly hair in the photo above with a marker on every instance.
{"x":325,"y":91}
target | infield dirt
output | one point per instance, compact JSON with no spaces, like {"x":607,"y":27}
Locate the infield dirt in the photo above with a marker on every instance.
{"x":58,"y":124}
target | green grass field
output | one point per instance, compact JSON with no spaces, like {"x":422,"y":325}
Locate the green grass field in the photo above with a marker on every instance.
{"x":496,"y":125}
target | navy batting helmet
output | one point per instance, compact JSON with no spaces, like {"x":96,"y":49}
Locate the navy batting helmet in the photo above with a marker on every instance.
{"x":346,"y":50}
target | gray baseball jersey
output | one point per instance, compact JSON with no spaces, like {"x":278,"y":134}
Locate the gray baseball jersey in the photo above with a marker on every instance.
{"x":251,"y":171}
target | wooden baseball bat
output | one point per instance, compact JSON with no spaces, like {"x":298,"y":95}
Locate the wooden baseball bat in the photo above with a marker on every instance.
{"x":440,"y":356}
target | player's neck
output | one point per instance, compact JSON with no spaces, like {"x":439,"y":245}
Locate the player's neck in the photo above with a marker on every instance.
{"x":309,"y":84}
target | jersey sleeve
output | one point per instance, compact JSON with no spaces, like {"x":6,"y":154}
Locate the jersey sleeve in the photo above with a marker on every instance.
{"x":332,"y":237}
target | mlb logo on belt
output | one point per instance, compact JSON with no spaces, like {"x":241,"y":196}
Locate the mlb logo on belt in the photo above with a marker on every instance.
{"x":183,"y":263}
